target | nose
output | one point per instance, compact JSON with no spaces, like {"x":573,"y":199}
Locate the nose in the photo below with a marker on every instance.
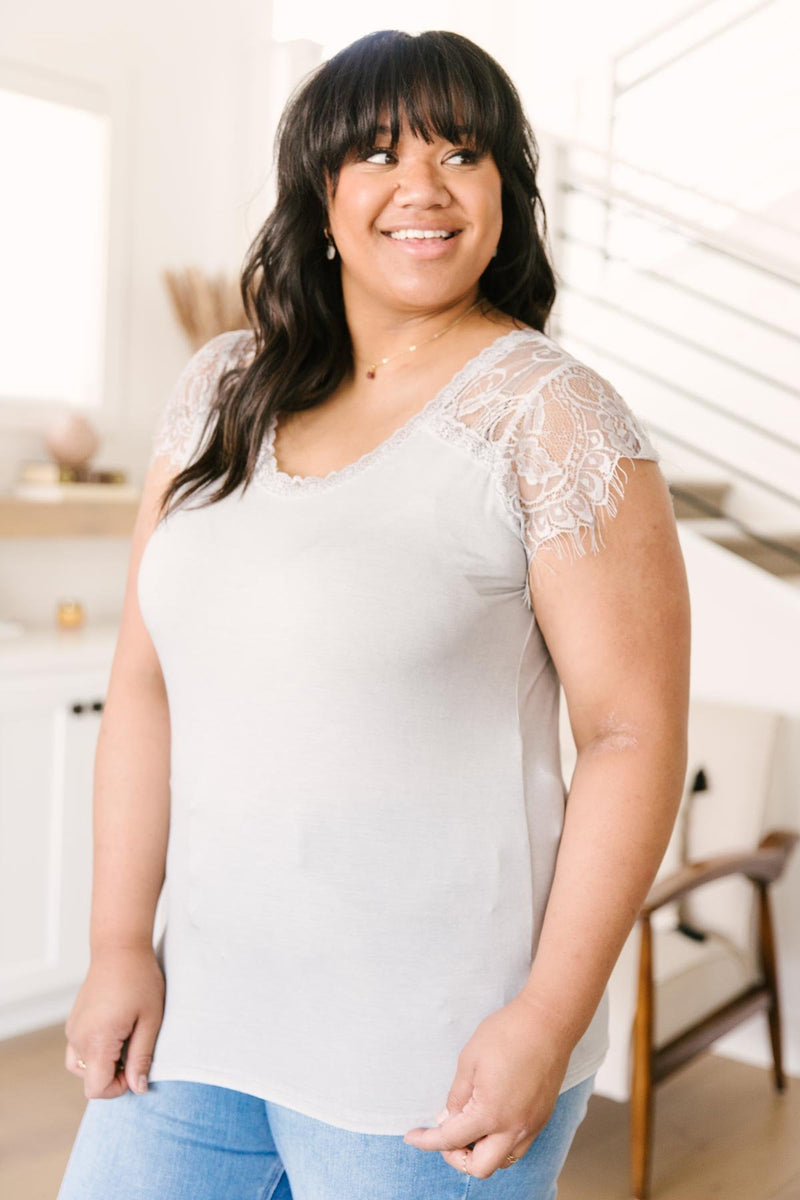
{"x":420,"y":182}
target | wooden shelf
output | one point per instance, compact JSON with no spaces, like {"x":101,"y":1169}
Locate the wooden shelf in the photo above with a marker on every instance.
{"x":66,"y":518}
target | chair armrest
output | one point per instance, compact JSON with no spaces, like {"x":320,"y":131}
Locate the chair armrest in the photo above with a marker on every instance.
{"x":764,"y":865}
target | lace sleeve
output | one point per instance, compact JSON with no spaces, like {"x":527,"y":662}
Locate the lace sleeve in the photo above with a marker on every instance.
{"x":562,"y":454}
{"x":184,"y":412}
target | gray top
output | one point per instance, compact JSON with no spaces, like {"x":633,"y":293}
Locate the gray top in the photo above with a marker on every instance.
{"x":366,"y":787}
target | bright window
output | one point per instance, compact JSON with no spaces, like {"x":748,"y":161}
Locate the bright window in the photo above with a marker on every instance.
{"x":53,"y":250}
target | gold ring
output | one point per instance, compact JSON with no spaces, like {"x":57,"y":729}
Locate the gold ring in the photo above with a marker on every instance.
{"x":511,"y":1159}
{"x":81,"y":1064}
{"x":466,"y":1172}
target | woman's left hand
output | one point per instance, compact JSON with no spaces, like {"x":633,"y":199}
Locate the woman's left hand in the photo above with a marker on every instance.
{"x":505,"y":1089}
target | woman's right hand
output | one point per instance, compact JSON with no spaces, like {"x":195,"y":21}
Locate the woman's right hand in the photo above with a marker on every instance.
{"x":121,"y":998}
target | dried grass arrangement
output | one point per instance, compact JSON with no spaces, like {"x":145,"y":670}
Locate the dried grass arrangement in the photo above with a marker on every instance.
{"x":205,"y":305}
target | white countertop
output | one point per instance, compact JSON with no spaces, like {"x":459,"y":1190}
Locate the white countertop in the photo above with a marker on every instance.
{"x":58,"y":649}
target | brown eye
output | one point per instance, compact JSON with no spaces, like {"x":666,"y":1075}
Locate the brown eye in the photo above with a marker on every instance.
{"x":376,"y":150}
{"x":470,"y":155}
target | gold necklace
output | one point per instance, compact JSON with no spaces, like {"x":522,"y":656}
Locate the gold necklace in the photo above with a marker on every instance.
{"x":374,"y":366}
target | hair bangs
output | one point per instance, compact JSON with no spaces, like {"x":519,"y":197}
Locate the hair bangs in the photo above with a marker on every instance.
{"x":436,"y":85}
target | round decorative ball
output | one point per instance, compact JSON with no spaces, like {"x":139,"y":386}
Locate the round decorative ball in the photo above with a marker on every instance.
{"x":71,"y":440}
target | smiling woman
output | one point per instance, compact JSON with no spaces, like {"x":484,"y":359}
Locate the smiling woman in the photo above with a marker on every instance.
{"x":367,"y":810}
{"x":394,"y":133}
{"x":431,"y":201}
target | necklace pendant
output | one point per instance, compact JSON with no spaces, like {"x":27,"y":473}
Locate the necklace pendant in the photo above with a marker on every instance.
{"x":371,"y":373}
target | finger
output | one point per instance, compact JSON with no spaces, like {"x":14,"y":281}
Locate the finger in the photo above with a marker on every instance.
{"x":140,"y":1054}
{"x":454,"y":1133}
{"x":492,"y":1153}
{"x":103,"y":1078}
{"x":78,"y":1065}
{"x":112,"y":1083}
{"x":71,"y":1058}
{"x":460,"y":1159}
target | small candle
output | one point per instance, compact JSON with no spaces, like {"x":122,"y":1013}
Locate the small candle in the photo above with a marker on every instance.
{"x":69,"y":614}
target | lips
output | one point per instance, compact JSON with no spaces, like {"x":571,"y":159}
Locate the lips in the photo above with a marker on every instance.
{"x":451,"y":233}
{"x":424,"y":248}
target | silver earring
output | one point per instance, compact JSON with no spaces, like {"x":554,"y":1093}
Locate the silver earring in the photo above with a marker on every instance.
{"x":331,"y":250}
{"x":495,"y":254}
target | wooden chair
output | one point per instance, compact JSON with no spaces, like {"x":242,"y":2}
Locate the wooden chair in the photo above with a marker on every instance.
{"x":702,"y":957}
{"x":653,"y":1063}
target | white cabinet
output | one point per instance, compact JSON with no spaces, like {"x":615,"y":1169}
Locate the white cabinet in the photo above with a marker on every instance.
{"x":52,"y":690}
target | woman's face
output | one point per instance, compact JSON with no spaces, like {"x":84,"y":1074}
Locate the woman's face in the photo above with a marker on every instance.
{"x":417,"y":186}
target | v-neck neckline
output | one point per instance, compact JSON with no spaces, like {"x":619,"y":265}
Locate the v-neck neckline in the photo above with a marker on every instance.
{"x":269,"y":475}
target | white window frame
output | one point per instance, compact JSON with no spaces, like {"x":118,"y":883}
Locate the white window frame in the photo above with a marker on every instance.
{"x":111,"y":95}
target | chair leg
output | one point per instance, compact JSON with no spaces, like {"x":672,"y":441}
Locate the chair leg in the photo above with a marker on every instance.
{"x":641,"y":1138}
{"x":642,"y":1084}
{"x":770,"y":970}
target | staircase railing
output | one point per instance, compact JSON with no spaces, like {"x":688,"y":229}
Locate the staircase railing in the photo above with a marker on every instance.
{"x":784,"y":269}
{"x":700,"y":25}
{"x":625,"y":81}
{"x":782,"y":548}
{"x":675,"y":221}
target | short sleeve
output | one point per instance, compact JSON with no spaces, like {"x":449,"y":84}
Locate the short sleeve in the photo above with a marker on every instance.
{"x":183,"y":415}
{"x":562,"y":452}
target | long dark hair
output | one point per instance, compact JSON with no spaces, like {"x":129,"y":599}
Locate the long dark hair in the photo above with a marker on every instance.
{"x":292,"y":293}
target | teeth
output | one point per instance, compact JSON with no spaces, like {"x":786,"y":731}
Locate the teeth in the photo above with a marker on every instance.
{"x":404,"y":234}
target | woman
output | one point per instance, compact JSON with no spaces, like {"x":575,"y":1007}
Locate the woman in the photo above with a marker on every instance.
{"x":334,"y":720}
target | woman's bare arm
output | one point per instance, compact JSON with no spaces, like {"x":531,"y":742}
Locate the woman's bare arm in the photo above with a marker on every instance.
{"x":617,"y":624}
{"x":131,"y":771}
{"x":122,"y":998}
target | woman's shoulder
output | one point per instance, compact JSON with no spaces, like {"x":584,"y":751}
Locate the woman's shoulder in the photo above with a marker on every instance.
{"x":221,"y":348}
{"x":520,"y":361}
{"x":559,"y":432}
{"x":539,"y":391}
{"x":207,"y":363}
{"x":188,"y":401}
{"x":531,"y":358}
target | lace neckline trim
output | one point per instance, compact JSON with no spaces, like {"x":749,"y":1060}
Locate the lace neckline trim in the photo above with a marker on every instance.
{"x":269,"y":475}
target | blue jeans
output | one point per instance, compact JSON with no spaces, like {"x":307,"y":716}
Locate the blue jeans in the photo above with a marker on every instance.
{"x":197,"y":1141}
